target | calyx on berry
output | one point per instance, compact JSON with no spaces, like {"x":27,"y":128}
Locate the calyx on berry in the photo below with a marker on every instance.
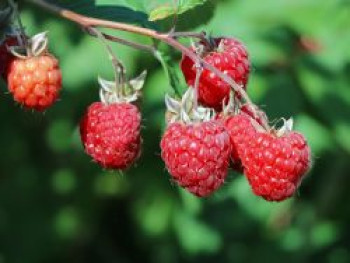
{"x":186,"y":110}
{"x":257,"y":117}
{"x":33,"y":47}
{"x":286,"y":127}
{"x":208,"y":44}
{"x":121,"y":90}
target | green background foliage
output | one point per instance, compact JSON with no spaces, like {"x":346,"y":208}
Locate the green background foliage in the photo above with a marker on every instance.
{"x":56,"y":205}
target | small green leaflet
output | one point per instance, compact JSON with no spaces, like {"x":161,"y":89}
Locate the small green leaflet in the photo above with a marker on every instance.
{"x":113,"y":10}
{"x":170,"y":8}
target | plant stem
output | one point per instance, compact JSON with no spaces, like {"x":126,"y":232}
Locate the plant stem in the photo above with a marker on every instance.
{"x":199,"y":71}
{"x":165,"y":67}
{"x":119,"y":70}
{"x":166,"y":38}
{"x":200,"y":35}
{"x":147,"y":48}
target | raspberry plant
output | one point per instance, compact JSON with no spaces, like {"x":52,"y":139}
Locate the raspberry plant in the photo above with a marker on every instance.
{"x":212,"y":124}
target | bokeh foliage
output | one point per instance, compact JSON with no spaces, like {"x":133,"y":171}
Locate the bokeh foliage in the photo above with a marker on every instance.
{"x":58,"y":206}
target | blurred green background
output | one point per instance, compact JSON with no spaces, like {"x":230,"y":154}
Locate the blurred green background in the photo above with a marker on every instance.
{"x":56,"y":205}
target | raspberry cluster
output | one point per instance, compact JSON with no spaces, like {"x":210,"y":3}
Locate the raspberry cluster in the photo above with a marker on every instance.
{"x":196,"y":151}
{"x":209,"y":129}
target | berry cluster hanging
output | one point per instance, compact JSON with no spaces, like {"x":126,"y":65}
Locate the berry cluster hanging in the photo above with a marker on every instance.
{"x":211,"y":128}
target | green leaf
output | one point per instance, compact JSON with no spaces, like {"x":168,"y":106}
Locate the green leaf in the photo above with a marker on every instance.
{"x":140,"y":12}
{"x":113,"y":10}
{"x":111,"y":2}
{"x":137,"y":4}
{"x":168,"y":8}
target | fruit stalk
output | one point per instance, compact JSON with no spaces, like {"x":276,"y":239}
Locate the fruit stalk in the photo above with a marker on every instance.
{"x":147,"y":48}
{"x":118,"y":66}
{"x":199,"y":71}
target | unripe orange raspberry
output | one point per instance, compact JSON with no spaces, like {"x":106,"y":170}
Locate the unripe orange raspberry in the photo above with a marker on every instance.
{"x":33,"y":74}
{"x":35,"y":82}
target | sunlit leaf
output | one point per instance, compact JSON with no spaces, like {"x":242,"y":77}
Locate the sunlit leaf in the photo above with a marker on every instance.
{"x":169,"y":8}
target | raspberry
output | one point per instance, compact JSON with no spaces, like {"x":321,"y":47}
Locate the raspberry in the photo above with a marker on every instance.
{"x":111,"y":134}
{"x":240,"y":130}
{"x":230,"y":57}
{"x":110,"y":130}
{"x":255,"y":113}
{"x":275,"y":166}
{"x":35,"y":82}
{"x":274,"y":163}
{"x":33,"y":75}
{"x":197,"y":155}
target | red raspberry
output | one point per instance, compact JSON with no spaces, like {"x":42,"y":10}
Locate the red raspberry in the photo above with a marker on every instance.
{"x":230,"y":57}
{"x":197,"y":155}
{"x":274,"y":165}
{"x":5,"y":55}
{"x":111,"y":134}
{"x":35,"y":82}
{"x":240,"y":130}
{"x":255,"y":113}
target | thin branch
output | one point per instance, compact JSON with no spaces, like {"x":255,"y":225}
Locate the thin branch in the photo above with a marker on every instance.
{"x":200,"y":35}
{"x":199,"y":70}
{"x":119,"y":70}
{"x":147,"y":48}
{"x":165,"y":66}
